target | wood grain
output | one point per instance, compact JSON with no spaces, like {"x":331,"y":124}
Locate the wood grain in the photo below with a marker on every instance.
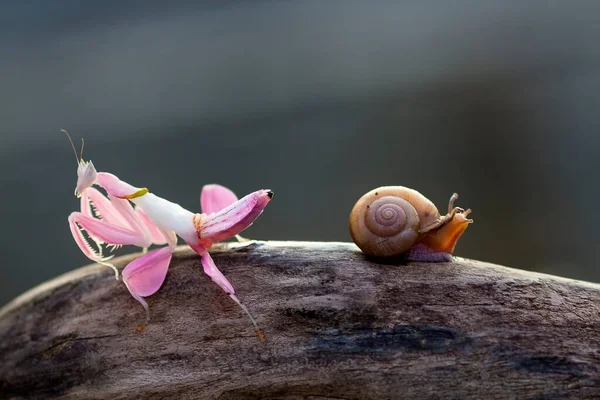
{"x":337,"y":325}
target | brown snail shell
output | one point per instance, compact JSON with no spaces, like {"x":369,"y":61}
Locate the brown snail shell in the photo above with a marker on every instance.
{"x":392,"y":220}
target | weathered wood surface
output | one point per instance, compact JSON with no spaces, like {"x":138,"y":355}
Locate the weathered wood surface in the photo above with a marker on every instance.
{"x":337,"y":325}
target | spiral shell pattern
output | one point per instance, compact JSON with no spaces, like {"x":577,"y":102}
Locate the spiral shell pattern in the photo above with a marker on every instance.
{"x":384,"y":225}
{"x":386,"y":216}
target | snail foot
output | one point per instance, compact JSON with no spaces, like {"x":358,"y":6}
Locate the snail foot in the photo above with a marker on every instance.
{"x":420,"y":252}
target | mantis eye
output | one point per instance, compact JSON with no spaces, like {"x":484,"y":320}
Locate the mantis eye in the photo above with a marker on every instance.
{"x":86,"y":177}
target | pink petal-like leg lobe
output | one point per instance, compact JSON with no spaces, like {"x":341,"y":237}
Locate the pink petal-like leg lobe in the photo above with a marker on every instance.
{"x":214,"y":198}
{"x":233,"y":219}
{"x":211,"y":270}
{"x":146,"y":274}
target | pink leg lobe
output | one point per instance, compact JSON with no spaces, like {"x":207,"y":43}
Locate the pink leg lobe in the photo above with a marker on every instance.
{"x":146,"y":274}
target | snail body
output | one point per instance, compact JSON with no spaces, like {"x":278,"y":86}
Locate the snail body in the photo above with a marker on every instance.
{"x":394,"y":220}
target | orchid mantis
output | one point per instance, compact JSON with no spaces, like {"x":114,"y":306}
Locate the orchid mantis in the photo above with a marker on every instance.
{"x":113,"y":222}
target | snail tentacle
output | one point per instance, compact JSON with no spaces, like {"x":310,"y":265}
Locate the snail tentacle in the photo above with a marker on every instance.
{"x":453,"y":198}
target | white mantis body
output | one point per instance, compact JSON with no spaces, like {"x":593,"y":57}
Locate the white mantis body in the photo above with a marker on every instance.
{"x":114,"y":222}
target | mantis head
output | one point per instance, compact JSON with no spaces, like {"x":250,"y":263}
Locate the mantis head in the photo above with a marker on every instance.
{"x":86,"y":173}
{"x":86,"y":176}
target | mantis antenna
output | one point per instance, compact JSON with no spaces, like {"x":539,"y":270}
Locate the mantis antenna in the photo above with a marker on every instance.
{"x":73,"y":146}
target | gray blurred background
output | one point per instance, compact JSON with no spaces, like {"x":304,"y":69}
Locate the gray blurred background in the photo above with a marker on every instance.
{"x":320,"y":101}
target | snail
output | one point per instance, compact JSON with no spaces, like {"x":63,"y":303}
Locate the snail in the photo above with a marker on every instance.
{"x":393,"y":220}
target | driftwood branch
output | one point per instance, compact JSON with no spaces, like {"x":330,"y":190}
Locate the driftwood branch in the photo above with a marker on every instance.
{"x":337,"y":325}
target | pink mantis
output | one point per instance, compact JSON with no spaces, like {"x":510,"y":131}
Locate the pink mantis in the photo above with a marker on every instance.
{"x":114,"y":222}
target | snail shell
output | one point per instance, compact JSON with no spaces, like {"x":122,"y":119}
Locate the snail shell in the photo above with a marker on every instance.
{"x":391,"y":220}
